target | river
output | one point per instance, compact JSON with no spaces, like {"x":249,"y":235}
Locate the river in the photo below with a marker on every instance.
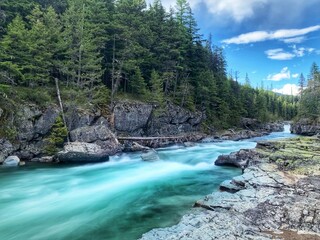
{"x":117,"y":200}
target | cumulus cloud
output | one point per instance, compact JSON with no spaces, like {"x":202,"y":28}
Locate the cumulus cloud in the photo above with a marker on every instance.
{"x":288,"y":89}
{"x":283,"y":74}
{"x":282,"y":34}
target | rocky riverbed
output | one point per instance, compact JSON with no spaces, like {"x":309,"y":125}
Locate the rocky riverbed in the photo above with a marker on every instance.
{"x":277,"y":197}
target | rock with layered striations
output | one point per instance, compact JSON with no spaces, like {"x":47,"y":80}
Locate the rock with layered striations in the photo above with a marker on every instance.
{"x":80,"y":152}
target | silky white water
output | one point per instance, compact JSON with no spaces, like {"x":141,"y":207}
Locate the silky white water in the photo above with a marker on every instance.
{"x":120,"y":199}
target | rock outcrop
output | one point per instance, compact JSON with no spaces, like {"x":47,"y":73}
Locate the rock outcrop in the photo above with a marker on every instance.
{"x":305,"y":127}
{"x":99,"y":134}
{"x":80,"y":152}
{"x":141,"y":119}
{"x":266,"y":202}
{"x":238,"y":159}
{"x":255,"y":125}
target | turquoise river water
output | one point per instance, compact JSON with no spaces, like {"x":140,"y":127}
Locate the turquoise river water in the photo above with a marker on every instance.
{"x":120,"y":199}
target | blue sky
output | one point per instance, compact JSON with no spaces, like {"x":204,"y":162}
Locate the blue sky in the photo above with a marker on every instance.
{"x":271,"y":40}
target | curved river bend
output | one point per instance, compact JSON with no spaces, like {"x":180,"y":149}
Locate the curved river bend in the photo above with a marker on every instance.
{"x":120,"y":199}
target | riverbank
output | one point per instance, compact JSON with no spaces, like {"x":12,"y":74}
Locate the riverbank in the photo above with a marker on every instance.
{"x":278,"y":192}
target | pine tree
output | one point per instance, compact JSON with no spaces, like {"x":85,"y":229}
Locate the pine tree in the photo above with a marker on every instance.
{"x":138,"y":85}
{"x":157,"y":87}
{"x":15,"y":53}
{"x":301,"y":84}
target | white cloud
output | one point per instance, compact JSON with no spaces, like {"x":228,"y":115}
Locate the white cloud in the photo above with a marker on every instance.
{"x":279,"y":54}
{"x":260,"y":36}
{"x":283,"y":74}
{"x":295,"y":75}
{"x":288,"y":89}
{"x":294,"y":40}
{"x":237,"y":10}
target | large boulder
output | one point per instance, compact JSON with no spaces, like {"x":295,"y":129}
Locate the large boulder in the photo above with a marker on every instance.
{"x":80,"y":152}
{"x":238,"y":159}
{"x":6,"y":148}
{"x":131,"y":117}
{"x":11,"y":161}
{"x":99,"y":134}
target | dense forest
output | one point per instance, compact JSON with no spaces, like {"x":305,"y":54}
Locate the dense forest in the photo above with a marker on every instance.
{"x":309,"y":104}
{"x":112,"y":50}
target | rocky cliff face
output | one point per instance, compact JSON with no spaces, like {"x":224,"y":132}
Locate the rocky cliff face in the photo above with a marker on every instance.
{"x":140,"y":119}
{"x":305,"y":127}
{"x":33,"y":125}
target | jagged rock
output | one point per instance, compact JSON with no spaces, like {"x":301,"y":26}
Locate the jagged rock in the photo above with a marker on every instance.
{"x":46,"y":121}
{"x":150,"y":155}
{"x":305,"y":127}
{"x":174,"y":120}
{"x":11,"y":161}
{"x":99,"y":134}
{"x":77,"y":118}
{"x":238,"y":159}
{"x":131,"y":117}
{"x":80,"y":152}
{"x":230,"y":186}
{"x":27,"y":116}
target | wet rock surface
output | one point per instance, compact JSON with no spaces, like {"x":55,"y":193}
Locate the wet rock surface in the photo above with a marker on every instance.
{"x":266,"y":198}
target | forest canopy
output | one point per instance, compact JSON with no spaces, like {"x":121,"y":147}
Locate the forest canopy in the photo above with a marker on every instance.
{"x":133,"y":50}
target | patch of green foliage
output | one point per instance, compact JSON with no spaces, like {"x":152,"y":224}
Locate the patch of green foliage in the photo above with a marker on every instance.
{"x":56,"y":138}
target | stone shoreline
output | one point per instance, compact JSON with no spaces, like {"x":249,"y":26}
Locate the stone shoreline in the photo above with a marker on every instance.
{"x":277,"y":197}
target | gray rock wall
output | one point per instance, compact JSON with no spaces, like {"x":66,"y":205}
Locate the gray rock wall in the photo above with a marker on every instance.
{"x":140,"y":119}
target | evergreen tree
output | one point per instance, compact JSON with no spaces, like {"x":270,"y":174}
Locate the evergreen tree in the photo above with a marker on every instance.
{"x":301,"y":84}
{"x":157,"y":87}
